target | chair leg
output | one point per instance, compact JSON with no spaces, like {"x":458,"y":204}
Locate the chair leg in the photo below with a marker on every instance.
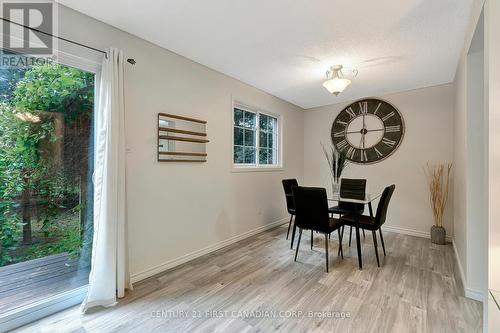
{"x":289,"y":225}
{"x":375,"y":245}
{"x":298,"y":243}
{"x":350,"y":235}
{"x":358,"y":243}
{"x":382,"y":240}
{"x":340,"y":244}
{"x":340,"y":241}
{"x":293,"y":234}
{"x":326,"y":248}
{"x":312,"y":238}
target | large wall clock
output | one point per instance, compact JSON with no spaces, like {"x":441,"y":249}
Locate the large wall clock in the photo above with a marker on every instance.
{"x":368,"y":131}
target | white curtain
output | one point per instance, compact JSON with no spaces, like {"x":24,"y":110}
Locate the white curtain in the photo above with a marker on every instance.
{"x":109,"y":275}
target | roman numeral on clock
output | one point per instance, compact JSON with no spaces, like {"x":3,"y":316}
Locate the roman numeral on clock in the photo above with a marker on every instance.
{"x":363,"y":156}
{"x":376,"y":109}
{"x":351,"y":112}
{"x":338,"y":134}
{"x":351,"y":152}
{"x":342,"y":145}
{"x":388,"y":116}
{"x":389,"y":142}
{"x":379,"y":154}
{"x":363,"y":107}
{"x":392,"y":129}
{"x":341,"y":122}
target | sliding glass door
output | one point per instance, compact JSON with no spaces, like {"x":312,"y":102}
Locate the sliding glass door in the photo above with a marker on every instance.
{"x":46,"y":165}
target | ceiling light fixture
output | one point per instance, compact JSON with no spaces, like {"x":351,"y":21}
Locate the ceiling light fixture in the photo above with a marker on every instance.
{"x":337,"y":82}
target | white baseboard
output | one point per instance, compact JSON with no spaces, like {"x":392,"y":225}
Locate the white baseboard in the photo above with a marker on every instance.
{"x":411,"y":232}
{"x":198,"y":253}
{"x":460,"y":268}
{"x":469,"y":292}
{"x":474,"y":294}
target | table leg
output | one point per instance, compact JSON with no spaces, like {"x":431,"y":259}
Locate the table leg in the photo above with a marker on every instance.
{"x":341,"y":235}
{"x":350,"y":235}
{"x":370,"y":208}
{"x":340,"y":243}
{"x":358,"y":242}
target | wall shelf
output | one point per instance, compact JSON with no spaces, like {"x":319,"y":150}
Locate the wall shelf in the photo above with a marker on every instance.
{"x":181,"y":139}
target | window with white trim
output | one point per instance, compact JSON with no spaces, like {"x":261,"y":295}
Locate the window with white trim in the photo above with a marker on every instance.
{"x":255,"y":139}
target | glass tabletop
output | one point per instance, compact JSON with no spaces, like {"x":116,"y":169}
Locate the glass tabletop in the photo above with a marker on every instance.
{"x":369,"y":197}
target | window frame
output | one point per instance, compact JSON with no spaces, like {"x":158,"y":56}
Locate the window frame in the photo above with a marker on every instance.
{"x":248,"y":167}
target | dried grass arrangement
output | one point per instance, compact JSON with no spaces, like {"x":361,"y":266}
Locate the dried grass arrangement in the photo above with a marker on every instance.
{"x":439,"y":184}
{"x":337,"y":162}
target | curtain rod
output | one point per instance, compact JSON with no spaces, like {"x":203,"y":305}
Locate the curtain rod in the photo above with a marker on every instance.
{"x":130,"y":60}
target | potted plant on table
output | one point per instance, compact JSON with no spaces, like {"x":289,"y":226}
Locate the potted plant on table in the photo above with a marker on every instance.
{"x":337,"y":162}
{"x":438,"y":177}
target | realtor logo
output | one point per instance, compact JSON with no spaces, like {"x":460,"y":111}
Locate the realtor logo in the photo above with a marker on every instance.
{"x":38,"y":15}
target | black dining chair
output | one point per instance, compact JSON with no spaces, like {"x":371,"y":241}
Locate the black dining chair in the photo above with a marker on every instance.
{"x":352,"y":189}
{"x":290,"y":206}
{"x":373,"y":223}
{"x":311,"y":213}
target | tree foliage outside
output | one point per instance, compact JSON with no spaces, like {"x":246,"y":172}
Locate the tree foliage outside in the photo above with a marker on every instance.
{"x":45,"y":130}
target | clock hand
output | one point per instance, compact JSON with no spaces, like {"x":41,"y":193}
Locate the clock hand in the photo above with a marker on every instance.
{"x":363,"y":133}
{"x":373,"y":130}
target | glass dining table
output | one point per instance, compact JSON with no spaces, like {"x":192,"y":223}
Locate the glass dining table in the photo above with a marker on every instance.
{"x":367,"y":200}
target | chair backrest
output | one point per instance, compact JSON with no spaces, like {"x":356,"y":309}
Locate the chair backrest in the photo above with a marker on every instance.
{"x":311,"y":208}
{"x":352,"y":189}
{"x":288,"y":184}
{"x":383,"y":204}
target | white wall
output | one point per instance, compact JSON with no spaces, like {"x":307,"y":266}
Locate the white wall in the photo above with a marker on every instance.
{"x":460,"y":171}
{"x":476,"y":170}
{"x":177,"y":209}
{"x":470,"y":154}
{"x":428,"y":115}
{"x":492,"y":104}
{"x":492,"y":80}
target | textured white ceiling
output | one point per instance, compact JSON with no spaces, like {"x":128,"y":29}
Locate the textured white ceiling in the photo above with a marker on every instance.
{"x":284,"y":47}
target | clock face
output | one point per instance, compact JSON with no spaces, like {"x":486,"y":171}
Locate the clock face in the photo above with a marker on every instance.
{"x":368,"y":131}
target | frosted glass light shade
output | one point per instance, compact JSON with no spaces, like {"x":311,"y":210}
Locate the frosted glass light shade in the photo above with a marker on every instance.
{"x":336,"y":85}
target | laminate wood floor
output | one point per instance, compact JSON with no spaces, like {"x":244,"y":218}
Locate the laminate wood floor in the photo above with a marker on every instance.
{"x":255,"y":286}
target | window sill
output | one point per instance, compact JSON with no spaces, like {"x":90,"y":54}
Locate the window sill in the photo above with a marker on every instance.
{"x":238,"y":169}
